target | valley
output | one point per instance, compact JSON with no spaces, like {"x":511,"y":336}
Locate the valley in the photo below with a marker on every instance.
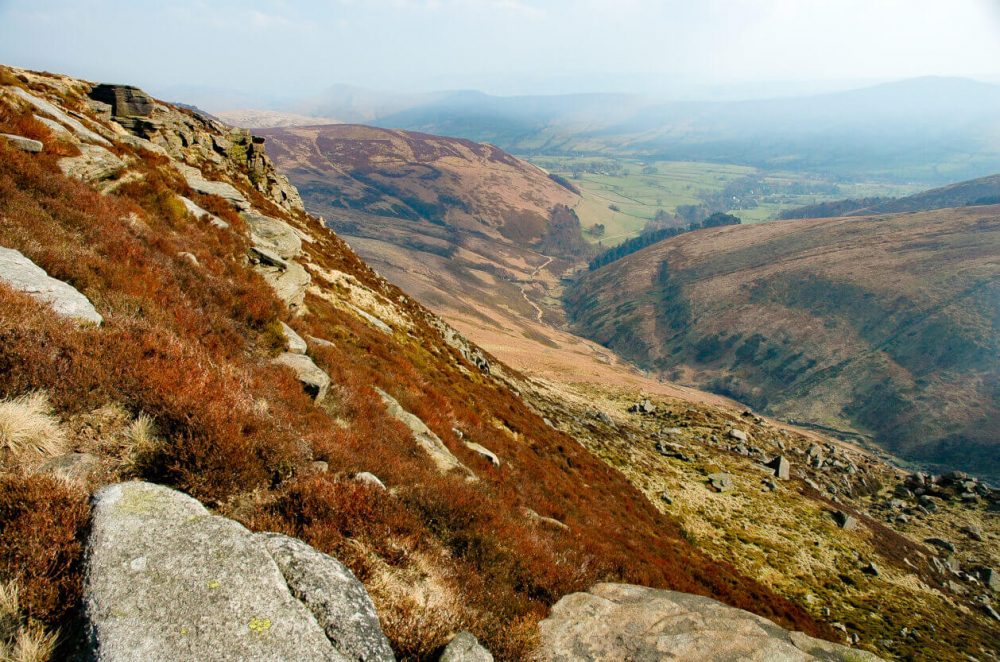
{"x":500,"y":331}
{"x":592,"y":392}
{"x":639,"y":190}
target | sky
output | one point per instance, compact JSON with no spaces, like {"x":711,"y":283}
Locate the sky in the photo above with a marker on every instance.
{"x":282,"y":49}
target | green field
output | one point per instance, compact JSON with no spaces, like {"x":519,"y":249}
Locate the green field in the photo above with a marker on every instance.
{"x":637,"y":190}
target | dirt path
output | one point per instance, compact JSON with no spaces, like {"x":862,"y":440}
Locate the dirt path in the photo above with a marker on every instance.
{"x":524,"y":293}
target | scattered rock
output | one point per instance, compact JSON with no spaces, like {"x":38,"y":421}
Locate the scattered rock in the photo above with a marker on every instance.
{"x":845,"y":521}
{"x":371,"y":319}
{"x":57,"y":114}
{"x":770,"y":485}
{"x":190,"y":257}
{"x":871,"y":569}
{"x":294,"y":342}
{"x":200,"y":213}
{"x":334,"y":596}
{"x":425,"y":437}
{"x":23,"y":275}
{"x":991,"y":612}
{"x":314,"y":380}
{"x":289,"y":283}
{"x":465,"y":648}
{"x":196,"y":180}
{"x":94,"y":164}
{"x":320,"y":342}
{"x":486,"y":453}
{"x":739,"y":435}
{"x":73,"y":466}
{"x":644,"y":407}
{"x":990,"y":578}
{"x":274,"y":235}
{"x":550,"y":522}
{"x":782,"y":467}
{"x":622,"y":622}
{"x":667,"y":449}
{"x":666,"y":498}
{"x":167,"y":580}
{"x":941,"y":543}
{"x":721,"y":482}
{"x":370,"y":478}
{"x":57,"y":128}
{"x":141,"y":143}
{"x":319,"y":467}
{"x":455,"y":340}
{"x":22,"y":143}
{"x":955,"y":587}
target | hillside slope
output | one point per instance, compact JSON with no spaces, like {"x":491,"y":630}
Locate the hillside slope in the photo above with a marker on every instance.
{"x":981,"y":191}
{"x":464,"y":227}
{"x":224,"y":305}
{"x":888,"y":325}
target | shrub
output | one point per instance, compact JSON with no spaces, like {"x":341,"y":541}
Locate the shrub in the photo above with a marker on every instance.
{"x":41,"y":521}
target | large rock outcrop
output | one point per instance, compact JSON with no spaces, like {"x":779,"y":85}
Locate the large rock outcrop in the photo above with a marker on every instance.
{"x":20,"y":273}
{"x":623,"y":622}
{"x":167,"y":580}
{"x":125,"y":100}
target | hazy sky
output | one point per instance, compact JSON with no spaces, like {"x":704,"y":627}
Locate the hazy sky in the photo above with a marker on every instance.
{"x":288,"y":47}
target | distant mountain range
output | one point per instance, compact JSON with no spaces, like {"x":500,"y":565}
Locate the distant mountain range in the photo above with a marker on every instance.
{"x":930,"y":130}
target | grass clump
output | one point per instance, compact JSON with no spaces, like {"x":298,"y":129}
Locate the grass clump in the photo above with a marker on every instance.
{"x":28,"y":431}
{"x":21,"y":639}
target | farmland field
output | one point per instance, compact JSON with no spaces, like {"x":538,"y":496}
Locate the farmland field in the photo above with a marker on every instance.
{"x":625,"y":194}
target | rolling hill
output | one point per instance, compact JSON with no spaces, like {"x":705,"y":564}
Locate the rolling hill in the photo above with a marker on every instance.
{"x":885,"y":325}
{"x":981,"y":191}
{"x":463,"y":226}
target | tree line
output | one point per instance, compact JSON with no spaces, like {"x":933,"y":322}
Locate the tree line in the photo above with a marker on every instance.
{"x":634,"y":244}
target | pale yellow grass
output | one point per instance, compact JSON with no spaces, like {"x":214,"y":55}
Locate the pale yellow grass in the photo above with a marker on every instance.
{"x":20,"y":639}
{"x":28,"y":431}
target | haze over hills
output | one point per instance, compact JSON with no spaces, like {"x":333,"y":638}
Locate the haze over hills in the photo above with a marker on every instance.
{"x":933,"y":130}
{"x":256,"y":119}
{"x":886,"y":325}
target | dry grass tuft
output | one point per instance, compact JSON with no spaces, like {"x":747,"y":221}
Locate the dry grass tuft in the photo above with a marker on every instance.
{"x":21,"y":640}
{"x":144,"y":444}
{"x":28,"y":431}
